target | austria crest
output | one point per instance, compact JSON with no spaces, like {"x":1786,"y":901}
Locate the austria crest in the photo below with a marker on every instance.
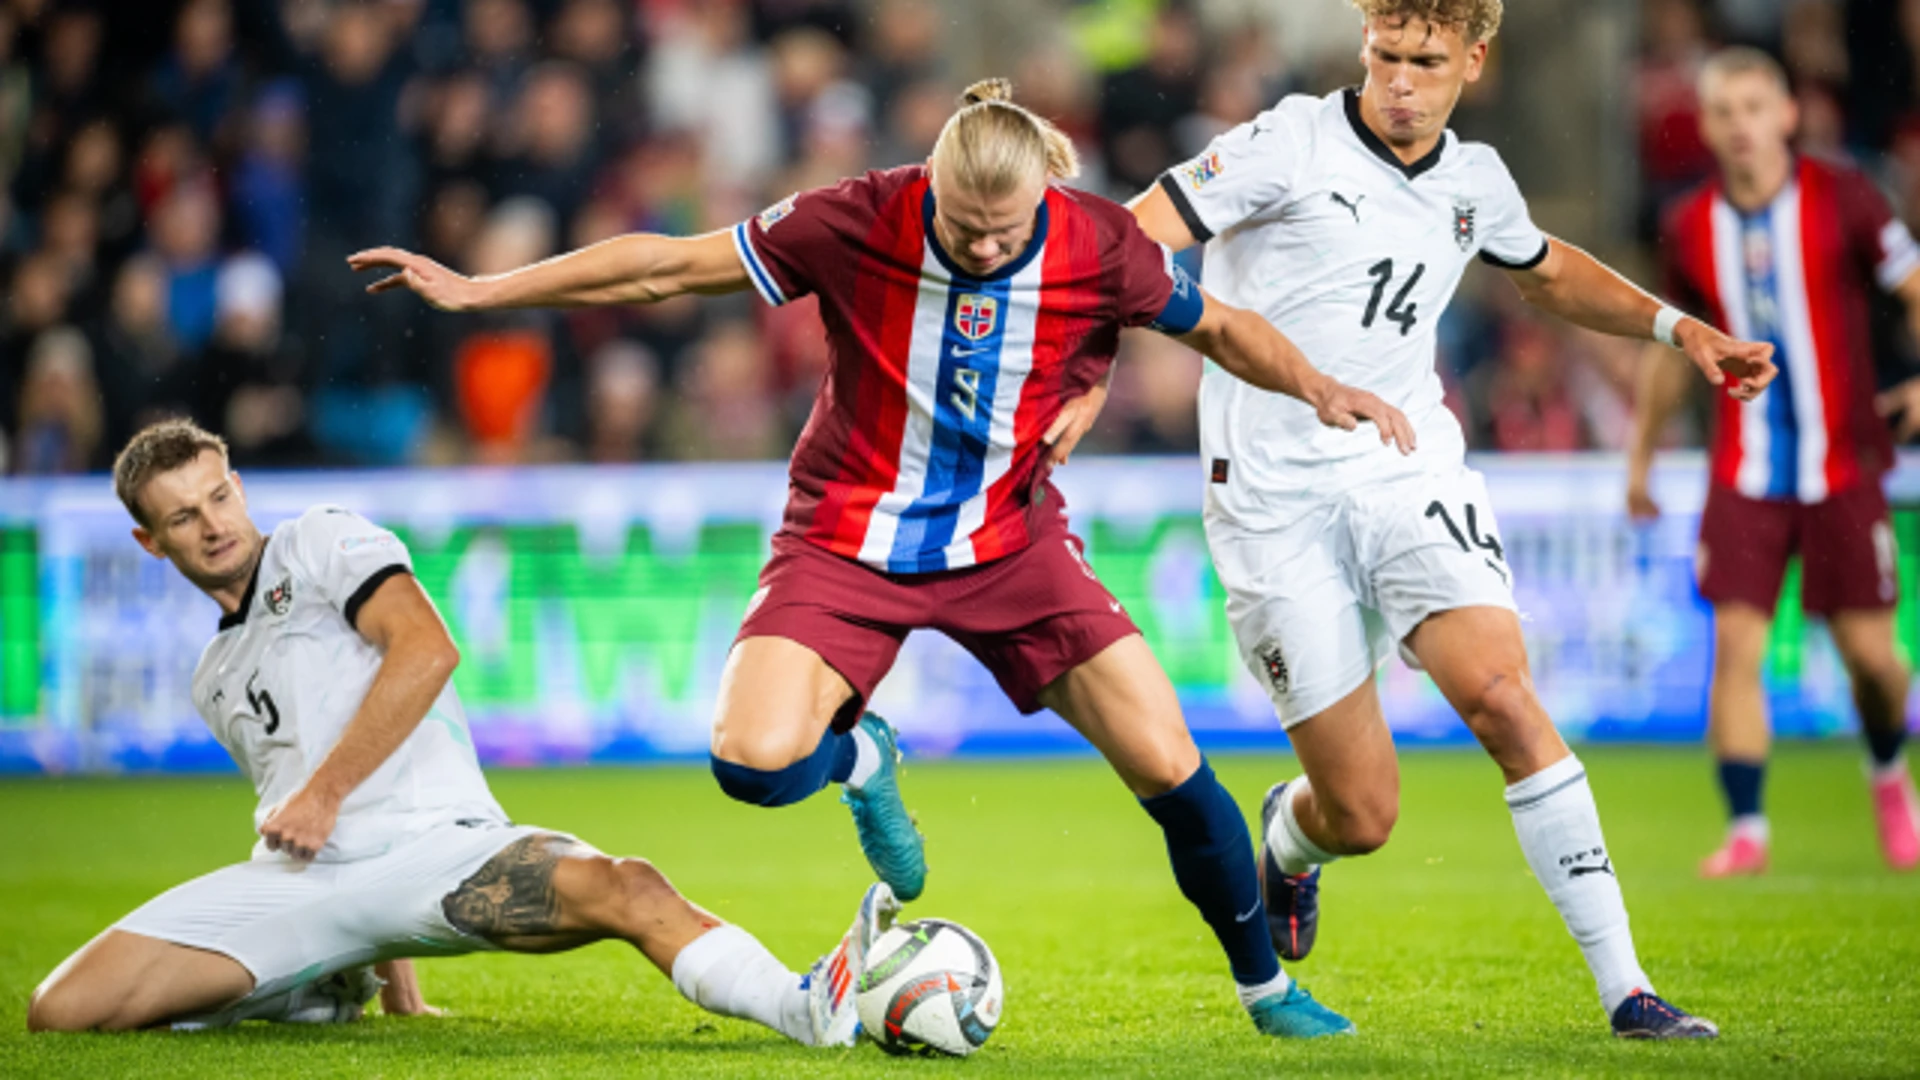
{"x":974,"y":316}
{"x":1463,"y":213}
{"x":280,"y":597}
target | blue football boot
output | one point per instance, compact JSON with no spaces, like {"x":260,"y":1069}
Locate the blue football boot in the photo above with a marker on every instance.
{"x":892,"y":844}
{"x":1645,"y":1016}
{"x":1293,"y":900}
{"x":1295,"y":1015}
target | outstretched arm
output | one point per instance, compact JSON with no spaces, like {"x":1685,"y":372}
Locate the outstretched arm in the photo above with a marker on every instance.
{"x":1248,"y":347}
{"x":638,"y":268}
{"x":1581,"y":289}
{"x":417,"y":658}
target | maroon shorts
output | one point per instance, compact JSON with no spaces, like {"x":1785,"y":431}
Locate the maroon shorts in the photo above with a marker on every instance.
{"x":1030,"y":617}
{"x":1846,"y":548}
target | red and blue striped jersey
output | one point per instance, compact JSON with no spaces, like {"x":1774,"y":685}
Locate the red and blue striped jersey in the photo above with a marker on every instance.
{"x":923,"y":451}
{"x":1797,"y":273}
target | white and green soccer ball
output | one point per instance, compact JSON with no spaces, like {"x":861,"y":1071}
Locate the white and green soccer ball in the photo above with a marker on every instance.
{"x":931,"y":987}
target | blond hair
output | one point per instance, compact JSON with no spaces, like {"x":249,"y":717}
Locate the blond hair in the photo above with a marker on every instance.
{"x":992,"y":146}
{"x":1743,"y":60}
{"x":1477,"y":20}
{"x":159,"y":448}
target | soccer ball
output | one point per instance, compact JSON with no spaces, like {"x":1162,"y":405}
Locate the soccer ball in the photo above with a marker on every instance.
{"x":931,"y":987}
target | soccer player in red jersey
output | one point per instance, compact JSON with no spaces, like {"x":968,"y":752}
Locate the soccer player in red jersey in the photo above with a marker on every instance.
{"x":1787,"y":248}
{"x":969,"y":304}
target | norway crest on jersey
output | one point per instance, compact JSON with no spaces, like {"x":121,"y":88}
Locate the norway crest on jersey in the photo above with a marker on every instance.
{"x":1463,"y":214}
{"x":975,"y":315}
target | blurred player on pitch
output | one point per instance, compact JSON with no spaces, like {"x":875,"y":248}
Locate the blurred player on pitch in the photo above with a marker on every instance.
{"x":1788,"y":249}
{"x":1348,"y":221}
{"x":970,"y":303}
{"x":328,"y":683}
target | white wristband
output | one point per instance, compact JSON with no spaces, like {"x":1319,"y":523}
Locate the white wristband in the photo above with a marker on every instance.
{"x":1664,"y":323}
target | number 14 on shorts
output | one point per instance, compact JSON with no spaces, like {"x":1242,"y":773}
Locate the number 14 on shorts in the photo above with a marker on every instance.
{"x":1470,"y":540}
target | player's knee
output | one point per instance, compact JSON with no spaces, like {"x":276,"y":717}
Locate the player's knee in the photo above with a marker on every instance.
{"x":1365,"y":827}
{"x":58,"y":1005}
{"x":764,"y":751}
{"x":641,"y":885}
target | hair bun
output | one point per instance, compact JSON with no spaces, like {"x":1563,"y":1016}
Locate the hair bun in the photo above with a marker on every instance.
{"x":987,"y":90}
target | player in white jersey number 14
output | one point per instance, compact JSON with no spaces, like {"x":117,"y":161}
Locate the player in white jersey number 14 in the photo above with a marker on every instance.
{"x":328,"y":682}
{"x":1348,"y":221}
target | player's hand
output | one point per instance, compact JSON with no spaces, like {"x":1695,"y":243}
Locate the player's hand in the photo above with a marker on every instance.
{"x":300,"y":825}
{"x":1902,"y":401}
{"x":1075,"y":420}
{"x":1744,"y":368}
{"x":1640,"y":503}
{"x":437,"y":285}
{"x":400,"y":990}
{"x":1341,"y":406}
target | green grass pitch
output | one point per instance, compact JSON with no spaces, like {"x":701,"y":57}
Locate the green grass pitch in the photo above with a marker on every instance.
{"x":1441,"y":947}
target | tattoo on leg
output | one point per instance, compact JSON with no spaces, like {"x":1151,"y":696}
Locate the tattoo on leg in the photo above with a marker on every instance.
{"x":512,"y":895}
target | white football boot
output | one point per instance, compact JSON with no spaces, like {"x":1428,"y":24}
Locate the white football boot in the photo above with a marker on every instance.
{"x":831,"y":981}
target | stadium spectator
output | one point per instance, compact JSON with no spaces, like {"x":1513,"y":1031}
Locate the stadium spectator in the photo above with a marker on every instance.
{"x":623,"y":390}
{"x":134,"y":351}
{"x":550,"y":153}
{"x":268,"y":188}
{"x":725,"y":411}
{"x":1141,"y":106}
{"x":200,"y":81}
{"x":59,"y":430}
{"x":185,"y":230}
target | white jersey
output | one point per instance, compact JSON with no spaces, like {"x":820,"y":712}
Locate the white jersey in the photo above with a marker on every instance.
{"x":285,"y":675}
{"x":1312,"y":221}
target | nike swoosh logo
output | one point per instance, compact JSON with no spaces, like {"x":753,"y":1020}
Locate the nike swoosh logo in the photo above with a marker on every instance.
{"x":1603,"y":868}
{"x":962,"y":354}
{"x":1250,"y":913}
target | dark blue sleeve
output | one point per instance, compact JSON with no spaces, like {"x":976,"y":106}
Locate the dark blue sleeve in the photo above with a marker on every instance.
{"x":1185,"y":304}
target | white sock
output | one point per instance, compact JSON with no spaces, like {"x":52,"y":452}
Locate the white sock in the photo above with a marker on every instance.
{"x":1752,"y":826}
{"x":1250,"y":994}
{"x":866,"y":763}
{"x":1559,"y":830}
{"x":727,"y":971}
{"x":1291,"y":847}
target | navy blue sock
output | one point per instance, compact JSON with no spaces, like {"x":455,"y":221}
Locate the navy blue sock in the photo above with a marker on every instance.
{"x":1741,"y":781}
{"x":1212,"y":857}
{"x":1884,"y":743}
{"x":831,"y":762}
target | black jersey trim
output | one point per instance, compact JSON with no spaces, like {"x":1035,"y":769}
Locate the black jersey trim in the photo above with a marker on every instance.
{"x":1201,"y":234}
{"x":365,"y":592}
{"x":239,"y":614}
{"x":1350,"y":97}
{"x":1491,"y":259}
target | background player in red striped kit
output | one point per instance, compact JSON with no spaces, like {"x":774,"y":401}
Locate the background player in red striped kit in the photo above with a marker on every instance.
{"x":967,"y":303}
{"x":1788,"y":249}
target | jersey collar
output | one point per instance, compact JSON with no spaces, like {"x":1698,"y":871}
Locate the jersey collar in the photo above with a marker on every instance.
{"x":1350,"y":97}
{"x":239,"y":614}
{"x":1019,"y":263}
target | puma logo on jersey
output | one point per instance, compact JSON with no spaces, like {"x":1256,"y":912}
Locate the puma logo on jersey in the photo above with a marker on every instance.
{"x":1353,"y":207}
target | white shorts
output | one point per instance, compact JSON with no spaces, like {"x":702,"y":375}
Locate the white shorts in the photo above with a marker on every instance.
{"x":1318,"y":605}
{"x":289,"y":923}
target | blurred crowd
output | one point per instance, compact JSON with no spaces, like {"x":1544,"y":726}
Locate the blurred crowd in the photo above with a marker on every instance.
{"x":183,"y":181}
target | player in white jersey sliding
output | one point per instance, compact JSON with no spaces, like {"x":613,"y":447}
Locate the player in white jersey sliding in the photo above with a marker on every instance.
{"x":1348,"y":221}
{"x":328,"y":683}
